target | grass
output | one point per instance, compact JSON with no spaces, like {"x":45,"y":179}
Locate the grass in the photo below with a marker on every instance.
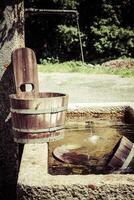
{"x":79,"y":67}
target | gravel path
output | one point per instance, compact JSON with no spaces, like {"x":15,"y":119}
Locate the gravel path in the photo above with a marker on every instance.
{"x":86,"y":88}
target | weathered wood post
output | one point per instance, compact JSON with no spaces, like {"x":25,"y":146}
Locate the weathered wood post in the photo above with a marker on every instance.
{"x":11,"y":37}
{"x":11,"y":29}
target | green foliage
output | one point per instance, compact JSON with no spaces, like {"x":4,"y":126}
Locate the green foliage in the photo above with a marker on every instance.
{"x":60,"y":4}
{"x":70,"y":35}
{"x":69,"y":41}
{"x":107,"y":29}
{"x":79,"y":67}
{"x":48,"y":60}
{"x":110,"y":38}
{"x":66,"y":4}
{"x":70,"y":66}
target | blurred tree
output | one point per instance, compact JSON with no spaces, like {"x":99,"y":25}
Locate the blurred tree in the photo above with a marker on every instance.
{"x":42,"y":30}
{"x":112,"y":35}
{"x":107,"y":29}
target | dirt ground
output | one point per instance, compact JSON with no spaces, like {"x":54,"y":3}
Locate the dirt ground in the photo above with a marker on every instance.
{"x":87,"y":88}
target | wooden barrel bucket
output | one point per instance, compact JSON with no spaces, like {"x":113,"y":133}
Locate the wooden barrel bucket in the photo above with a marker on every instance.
{"x":123,"y":154}
{"x":38,"y":119}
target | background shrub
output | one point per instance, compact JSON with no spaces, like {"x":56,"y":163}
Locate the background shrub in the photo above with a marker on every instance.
{"x":106,"y":28}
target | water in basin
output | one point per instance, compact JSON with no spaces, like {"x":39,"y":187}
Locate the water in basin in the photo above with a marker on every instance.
{"x":87,"y":147}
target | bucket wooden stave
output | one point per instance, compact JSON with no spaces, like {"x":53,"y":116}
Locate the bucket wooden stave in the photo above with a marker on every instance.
{"x":123,"y":155}
{"x":38,"y":119}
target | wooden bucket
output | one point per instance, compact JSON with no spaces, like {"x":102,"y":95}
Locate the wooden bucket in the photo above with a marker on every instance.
{"x":123,"y":155}
{"x":36,"y":117}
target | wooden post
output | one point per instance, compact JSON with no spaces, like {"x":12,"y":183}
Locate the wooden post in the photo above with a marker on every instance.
{"x":11,"y":37}
{"x":11,"y":30}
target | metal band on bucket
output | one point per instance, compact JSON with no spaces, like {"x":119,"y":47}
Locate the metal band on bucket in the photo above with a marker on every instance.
{"x":36,"y":112}
{"x":38,"y":130}
{"x":31,"y":139}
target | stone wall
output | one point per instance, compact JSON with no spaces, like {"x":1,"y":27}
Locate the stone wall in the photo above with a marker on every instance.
{"x":77,"y":192}
{"x":11,"y":37}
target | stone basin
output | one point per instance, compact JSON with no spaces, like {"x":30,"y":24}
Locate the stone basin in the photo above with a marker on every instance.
{"x":36,"y":182}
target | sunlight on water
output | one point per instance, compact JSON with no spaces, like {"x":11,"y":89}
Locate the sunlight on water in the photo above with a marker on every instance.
{"x":88,"y":145}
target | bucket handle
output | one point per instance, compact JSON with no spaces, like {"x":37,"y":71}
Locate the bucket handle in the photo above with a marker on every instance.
{"x":25,"y":72}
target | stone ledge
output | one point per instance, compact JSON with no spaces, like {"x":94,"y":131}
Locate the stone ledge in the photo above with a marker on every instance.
{"x":34,"y":182}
